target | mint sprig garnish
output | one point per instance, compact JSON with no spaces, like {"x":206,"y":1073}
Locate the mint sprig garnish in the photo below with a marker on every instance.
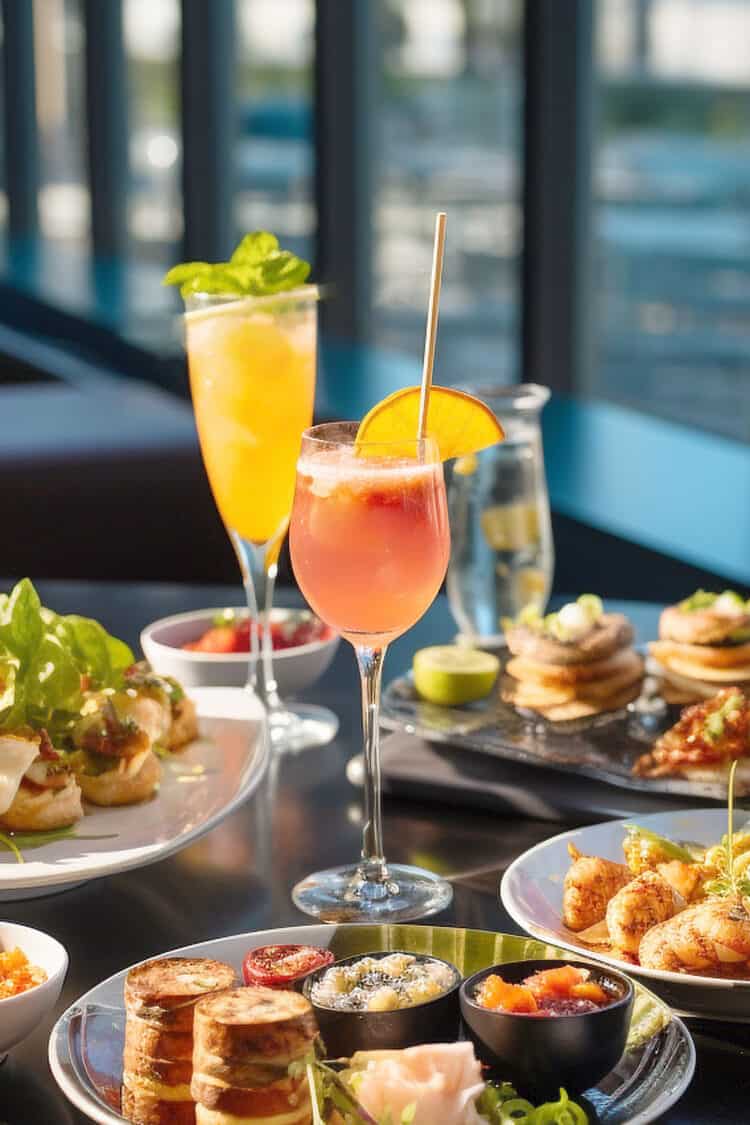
{"x":257,"y":268}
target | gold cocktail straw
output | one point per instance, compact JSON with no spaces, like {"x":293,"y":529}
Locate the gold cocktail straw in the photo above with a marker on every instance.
{"x":433,"y":310}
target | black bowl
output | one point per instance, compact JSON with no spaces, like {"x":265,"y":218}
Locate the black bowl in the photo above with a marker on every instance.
{"x":344,"y":1032}
{"x":541,"y":1054}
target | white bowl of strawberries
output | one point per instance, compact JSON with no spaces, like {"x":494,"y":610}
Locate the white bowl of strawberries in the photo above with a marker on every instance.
{"x":210,"y":648}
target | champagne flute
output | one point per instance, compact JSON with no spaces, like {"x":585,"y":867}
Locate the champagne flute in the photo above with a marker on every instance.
{"x":252,"y":364}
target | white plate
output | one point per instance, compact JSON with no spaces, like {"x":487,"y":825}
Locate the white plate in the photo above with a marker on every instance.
{"x":649,"y":1078}
{"x":532,"y":888}
{"x":199,"y":788}
{"x":19,"y":1015}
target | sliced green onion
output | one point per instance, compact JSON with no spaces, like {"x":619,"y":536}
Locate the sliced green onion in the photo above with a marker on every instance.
{"x":8,"y":843}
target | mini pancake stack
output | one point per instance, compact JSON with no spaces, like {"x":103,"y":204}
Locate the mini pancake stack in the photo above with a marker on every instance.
{"x":573,"y":664}
{"x":703,"y":646}
{"x":160,"y":1000}
{"x":245,"y":1041}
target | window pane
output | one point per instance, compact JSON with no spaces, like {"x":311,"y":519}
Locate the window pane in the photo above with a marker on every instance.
{"x":672,"y":180}
{"x":63,"y":191}
{"x":152,"y":48}
{"x":450,"y":126}
{"x":274,"y":156}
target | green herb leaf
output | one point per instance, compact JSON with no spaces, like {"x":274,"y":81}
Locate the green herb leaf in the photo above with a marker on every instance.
{"x":178,"y":275}
{"x":20,"y":621}
{"x":281,"y":271}
{"x":42,"y":659}
{"x":254,"y":248}
{"x":257,"y":268}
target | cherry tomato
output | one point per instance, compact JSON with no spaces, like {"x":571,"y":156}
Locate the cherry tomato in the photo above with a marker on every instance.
{"x":229,"y":638}
{"x":279,"y":966}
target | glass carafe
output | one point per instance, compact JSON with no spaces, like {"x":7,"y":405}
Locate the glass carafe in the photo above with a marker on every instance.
{"x":502,"y":556}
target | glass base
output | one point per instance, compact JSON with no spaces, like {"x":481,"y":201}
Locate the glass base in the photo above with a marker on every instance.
{"x":301,"y":728}
{"x":343,"y":894}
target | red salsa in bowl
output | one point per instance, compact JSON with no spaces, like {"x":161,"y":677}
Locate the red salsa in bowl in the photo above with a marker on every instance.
{"x":565,"y":991}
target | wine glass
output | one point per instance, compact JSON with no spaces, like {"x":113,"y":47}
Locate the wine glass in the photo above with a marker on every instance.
{"x":370,"y":544}
{"x":252,"y":364}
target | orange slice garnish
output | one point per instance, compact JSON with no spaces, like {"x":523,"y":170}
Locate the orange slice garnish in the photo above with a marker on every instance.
{"x":459,"y":423}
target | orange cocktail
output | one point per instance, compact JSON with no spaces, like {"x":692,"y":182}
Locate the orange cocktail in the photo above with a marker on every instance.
{"x":252,"y":378}
{"x":370,"y":539}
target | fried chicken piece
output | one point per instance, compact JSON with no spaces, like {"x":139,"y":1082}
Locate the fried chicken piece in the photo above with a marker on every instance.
{"x":638,"y":907}
{"x":711,"y":937}
{"x":590,"y":883}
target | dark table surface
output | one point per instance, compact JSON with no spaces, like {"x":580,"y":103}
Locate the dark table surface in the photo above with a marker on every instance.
{"x":226,"y":883}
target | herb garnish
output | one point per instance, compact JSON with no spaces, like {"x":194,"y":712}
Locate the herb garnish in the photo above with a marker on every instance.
{"x":728,"y":884}
{"x":258,"y":268}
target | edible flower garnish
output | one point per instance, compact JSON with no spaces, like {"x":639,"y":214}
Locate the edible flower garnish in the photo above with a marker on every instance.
{"x":573,"y":621}
{"x":258,"y":268}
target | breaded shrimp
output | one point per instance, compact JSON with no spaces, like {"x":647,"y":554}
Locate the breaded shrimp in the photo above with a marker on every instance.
{"x":638,"y":907}
{"x":686,"y":878}
{"x":710,"y":937}
{"x":589,"y":885}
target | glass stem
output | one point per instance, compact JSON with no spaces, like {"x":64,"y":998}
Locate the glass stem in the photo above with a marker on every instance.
{"x":272,"y":698}
{"x":370,"y":661}
{"x":245,"y":552}
{"x":259,"y":582}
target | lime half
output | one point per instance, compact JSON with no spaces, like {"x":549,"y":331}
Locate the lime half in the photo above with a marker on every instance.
{"x":451,"y":675}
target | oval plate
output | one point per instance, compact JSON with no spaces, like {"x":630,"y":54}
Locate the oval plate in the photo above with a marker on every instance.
{"x":531,"y":891}
{"x":200,"y":786}
{"x":654,"y":1072}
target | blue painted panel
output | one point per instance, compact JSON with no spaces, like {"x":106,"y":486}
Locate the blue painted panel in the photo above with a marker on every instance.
{"x":674,"y":489}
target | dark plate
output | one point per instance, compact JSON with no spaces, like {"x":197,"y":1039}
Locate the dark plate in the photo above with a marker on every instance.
{"x":604,"y":747}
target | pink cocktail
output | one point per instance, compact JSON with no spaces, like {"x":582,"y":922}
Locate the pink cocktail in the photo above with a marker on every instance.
{"x":370,"y":543}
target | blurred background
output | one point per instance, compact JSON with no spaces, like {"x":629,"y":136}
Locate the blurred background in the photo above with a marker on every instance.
{"x":594,"y":162}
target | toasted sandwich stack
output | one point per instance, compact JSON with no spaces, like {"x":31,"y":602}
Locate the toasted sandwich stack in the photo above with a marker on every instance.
{"x":245,"y":1041}
{"x":160,"y":1000}
{"x":572,"y":664}
{"x":703,"y":646}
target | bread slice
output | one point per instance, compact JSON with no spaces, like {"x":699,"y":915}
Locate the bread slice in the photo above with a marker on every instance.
{"x":116,"y":787}
{"x":611,"y":632}
{"x":254,"y":1024}
{"x":712,"y":675}
{"x":143,"y":1106}
{"x":712,"y":656}
{"x":558,"y":675}
{"x":160,"y":992}
{"x":184,"y":725}
{"x":245,"y":1040}
{"x":541,"y":696}
{"x":583,"y":709}
{"x":699,"y":626}
{"x":160,"y":998}
{"x":301,"y":1115}
{"x":36,"y":809}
